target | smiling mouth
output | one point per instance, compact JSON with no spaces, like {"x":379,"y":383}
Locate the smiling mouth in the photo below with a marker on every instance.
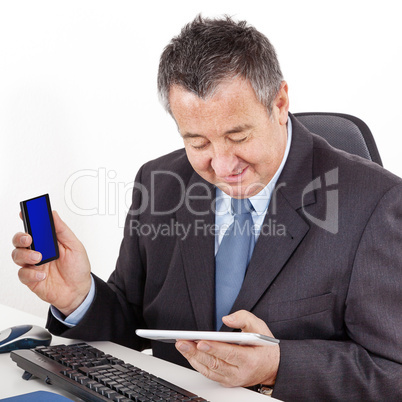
{"x":237,"y":176}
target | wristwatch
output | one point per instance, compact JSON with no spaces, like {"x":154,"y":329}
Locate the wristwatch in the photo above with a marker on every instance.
{"x":265,"y":390}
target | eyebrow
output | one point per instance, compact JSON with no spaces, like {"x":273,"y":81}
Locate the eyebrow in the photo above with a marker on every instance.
{"x":237,"y":129}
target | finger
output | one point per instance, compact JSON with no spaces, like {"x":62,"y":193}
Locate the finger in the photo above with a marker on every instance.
{"x":232,"y":355}
{"x":247,"y":322}
{"x":191,"y":352}
{"x":205,"y":364}
{"x":24,"y":256}
{"x":209,"y":371}
{"x":22,"y":240}
{"x":187,"y":349}
{"x":31,"y":275}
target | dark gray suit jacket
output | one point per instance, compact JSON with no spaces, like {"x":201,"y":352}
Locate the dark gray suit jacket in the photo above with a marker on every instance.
{"x":325,"y":275}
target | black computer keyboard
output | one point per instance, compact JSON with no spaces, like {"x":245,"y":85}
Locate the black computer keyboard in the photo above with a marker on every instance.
{"x":92,"y":375}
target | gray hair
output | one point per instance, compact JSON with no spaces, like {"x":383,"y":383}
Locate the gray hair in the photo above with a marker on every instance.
{"x":209,"y":51}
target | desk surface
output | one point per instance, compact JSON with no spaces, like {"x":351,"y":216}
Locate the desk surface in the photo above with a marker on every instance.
{"x":12,"y":383}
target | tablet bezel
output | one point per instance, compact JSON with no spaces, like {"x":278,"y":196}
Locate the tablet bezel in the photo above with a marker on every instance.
{"x":239,"y":338}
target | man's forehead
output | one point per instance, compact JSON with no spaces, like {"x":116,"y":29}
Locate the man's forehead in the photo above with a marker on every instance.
{"x":218,"y":89}
{"x":233,"y":107}
{"x":228,"y":96}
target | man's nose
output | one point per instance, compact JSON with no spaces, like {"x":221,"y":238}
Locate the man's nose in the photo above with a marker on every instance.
{"x":224,"y":162}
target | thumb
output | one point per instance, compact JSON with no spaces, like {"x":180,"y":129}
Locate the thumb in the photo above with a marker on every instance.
{"x":64,"y":234}
{"x":247,"y":322}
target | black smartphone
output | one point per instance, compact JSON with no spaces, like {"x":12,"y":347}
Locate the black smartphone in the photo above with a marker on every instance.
{"x":38,"y":222}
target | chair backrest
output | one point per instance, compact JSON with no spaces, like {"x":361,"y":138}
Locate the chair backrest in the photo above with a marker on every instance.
{"x":344,"y":132}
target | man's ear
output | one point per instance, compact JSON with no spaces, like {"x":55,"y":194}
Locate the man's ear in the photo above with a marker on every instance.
{"x":281,"y":103}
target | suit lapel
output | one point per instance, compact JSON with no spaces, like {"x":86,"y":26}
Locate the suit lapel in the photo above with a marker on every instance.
{"x":283,"y":233}
{"x":198,"y":250}
{"x":284,"y":227}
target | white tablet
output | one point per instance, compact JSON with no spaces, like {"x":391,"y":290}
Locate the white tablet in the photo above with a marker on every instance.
{"x":240,"y":338}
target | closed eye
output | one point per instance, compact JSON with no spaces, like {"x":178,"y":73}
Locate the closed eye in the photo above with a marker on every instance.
{"x":196,"y":141}
{"x":238,"y":141}
{"x":200,"y":146}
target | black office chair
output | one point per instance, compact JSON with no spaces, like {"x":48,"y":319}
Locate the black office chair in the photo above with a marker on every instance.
{"x":344,"y":132}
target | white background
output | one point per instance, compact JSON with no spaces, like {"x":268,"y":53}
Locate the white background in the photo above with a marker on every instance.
{"x":78,"y":99}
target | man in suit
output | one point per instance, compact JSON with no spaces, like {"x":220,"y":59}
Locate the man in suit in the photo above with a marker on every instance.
{"x":325,"y":271}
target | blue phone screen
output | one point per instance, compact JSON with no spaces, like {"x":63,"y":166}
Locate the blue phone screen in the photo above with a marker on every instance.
{"x":41,"y":227}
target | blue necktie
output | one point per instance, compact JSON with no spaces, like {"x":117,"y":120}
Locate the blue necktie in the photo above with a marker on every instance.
{"x":232,"y":259}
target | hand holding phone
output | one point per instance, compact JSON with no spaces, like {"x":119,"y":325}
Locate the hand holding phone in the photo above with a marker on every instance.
{"x":62,"y":277}
{"x":38,"y":223}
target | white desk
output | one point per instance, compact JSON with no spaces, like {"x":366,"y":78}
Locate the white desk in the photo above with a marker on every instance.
{"x":12,"y":383}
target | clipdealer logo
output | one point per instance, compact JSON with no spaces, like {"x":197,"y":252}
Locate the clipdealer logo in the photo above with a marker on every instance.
{"x":114,"y":197}
{"x":331,"y":221}
{"x":111,"y":198}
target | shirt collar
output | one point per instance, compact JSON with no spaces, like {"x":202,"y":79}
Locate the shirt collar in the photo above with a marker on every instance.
{"x":260,"y":201}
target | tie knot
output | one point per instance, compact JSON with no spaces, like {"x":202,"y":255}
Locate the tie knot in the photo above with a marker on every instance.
{"x":241,"y":206}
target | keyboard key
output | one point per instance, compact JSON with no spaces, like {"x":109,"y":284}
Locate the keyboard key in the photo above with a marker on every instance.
{"x":132,"y":394}
{"x":119,"y":398}
{"x":111,"y":384}
{"x":102,"y":390}
{"x":84,"y":380}
{"x":90,"y":384}
{"x":111,"y":394}
{"x":118,"y":387}
{"x":142,"y":399}
{"x":120,"y":368}
{"x":96,"y":387}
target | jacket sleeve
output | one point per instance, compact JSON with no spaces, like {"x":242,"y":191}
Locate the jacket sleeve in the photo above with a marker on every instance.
{"x":368,"y":365}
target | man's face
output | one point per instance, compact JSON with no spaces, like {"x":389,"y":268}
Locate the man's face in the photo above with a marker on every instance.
{"x":230,"y":139}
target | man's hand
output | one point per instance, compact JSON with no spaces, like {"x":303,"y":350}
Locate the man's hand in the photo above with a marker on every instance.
{"x":235,"y":365}
{"x":64,"y":282}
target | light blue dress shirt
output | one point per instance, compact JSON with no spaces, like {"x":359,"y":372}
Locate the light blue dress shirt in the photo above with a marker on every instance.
{"x":223,"y":219}
{"x":75,"y":317}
